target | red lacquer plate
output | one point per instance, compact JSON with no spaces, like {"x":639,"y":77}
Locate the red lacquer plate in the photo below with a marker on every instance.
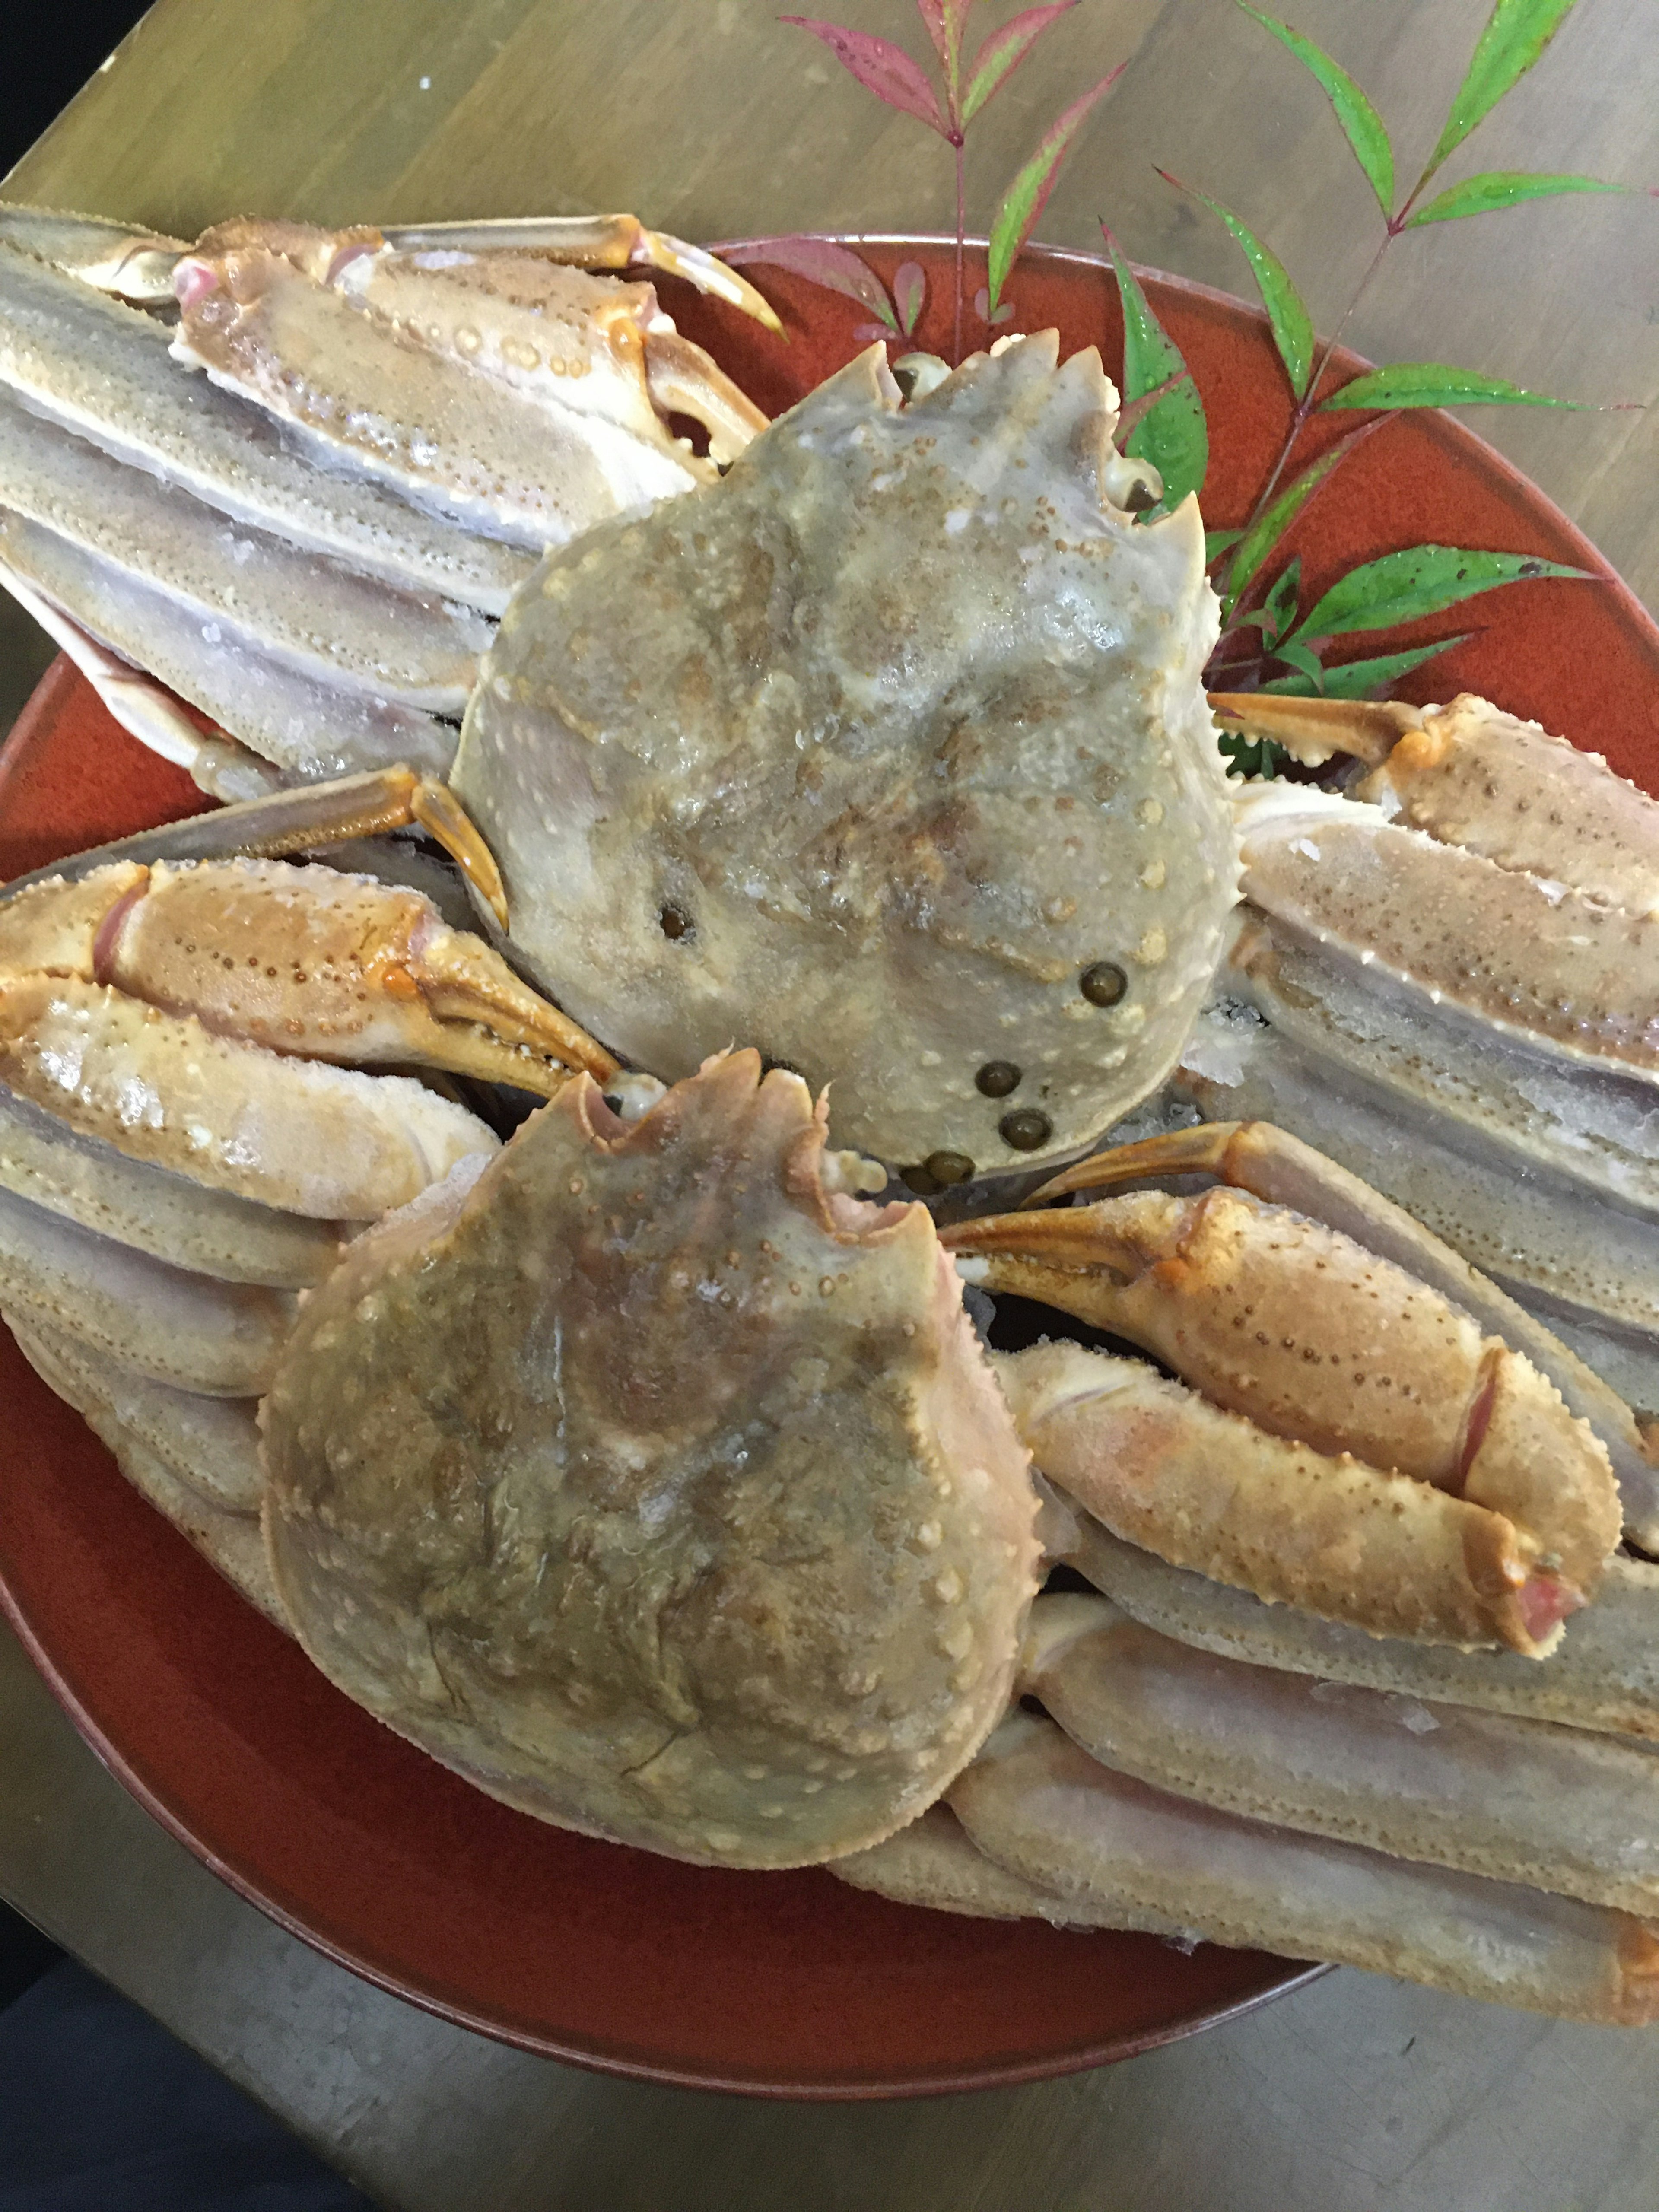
{"x":782,"y":1985}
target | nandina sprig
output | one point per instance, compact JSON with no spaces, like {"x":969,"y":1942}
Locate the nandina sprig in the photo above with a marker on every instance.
{"x":949,"y":107}
{"x":1421,"y":580}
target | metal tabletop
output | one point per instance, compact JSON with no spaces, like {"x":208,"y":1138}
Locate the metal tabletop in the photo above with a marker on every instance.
{"x":1354,"y":2094}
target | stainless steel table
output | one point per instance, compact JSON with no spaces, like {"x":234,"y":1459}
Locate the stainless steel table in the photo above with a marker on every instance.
{"x":1355,"y":2094}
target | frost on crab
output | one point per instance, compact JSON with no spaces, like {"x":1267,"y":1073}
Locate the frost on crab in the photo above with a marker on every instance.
{"x":888,"y":751}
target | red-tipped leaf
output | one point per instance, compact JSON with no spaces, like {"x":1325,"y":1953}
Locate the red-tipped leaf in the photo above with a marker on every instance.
{"x":821,"y":261}
{"x":881,"y":67}
{"x":1026,"y":198}
{"x":1003,"y":50}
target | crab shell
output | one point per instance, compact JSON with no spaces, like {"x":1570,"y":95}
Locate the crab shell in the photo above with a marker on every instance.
{"x":654,"y":1488}
{"x":888,"y":751}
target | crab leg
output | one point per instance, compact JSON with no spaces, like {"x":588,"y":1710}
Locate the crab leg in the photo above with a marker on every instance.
{"x":327,"y":1142}
{"x":1470,"y":775}
{"x":288,"y":331}
{"x":206,"y":1231}
{"x":1486,"y":1793}
{"x":1516,"y":954}
{"x":344,"y":970}
{"x":297,"y":727}
{"x":163,"y":1440}
{"x":221,"y":1339}
{"x":1605,"y":1676}
{"x":102,"y":370}
{"x":336,"y":627}
{"x":1311,"y":1335}
{"x":934,"y":1862}
{"x":142,"y":709}
{"x":1519,"y":1105}
{"x":139,"y":266}
{"x":1276,"y":1167}
{"x":1205,"y":1489}
{"x":1039,"y":1806}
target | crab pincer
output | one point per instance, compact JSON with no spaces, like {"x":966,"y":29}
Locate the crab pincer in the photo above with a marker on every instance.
{"x":1351,"y":1442}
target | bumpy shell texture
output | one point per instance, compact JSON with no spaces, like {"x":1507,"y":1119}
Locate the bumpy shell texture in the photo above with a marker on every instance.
{"x":659,"y":1492}
{"x":871,"y":753}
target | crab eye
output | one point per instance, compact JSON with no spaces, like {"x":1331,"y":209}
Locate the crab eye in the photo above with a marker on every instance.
{"x":675,"y":920}
{"x":998,"y":1079}
{"x":949,"y":1167}
{"x":1026,"y":1130}
{"x":1104,"y":984}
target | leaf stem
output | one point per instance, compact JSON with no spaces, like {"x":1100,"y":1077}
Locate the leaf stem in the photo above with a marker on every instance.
{"x":961,"y":229}
{"x":1305,"y":405}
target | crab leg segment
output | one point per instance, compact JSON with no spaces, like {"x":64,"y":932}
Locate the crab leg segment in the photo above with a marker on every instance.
{"x":1313,"y":1337}
{"x":341,"y":969}
{"x":1511,"y":952}
{"x":1039,"y":1806}
{"x":1471,"y":776}
{"x":1311,"y":729}
{"x":1583,"y":1260}
{"x":207,"y":1232}
{"x":1604,"y":1677}
{"x":1205,"y":1489}
{"x":1486,"y":1793}
{"x":220,"y":1339}
{"x":499,"y":390}
{"x":593,"y":241}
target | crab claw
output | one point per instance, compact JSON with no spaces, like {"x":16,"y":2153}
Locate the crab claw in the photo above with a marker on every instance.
{"x":1311,"y":729}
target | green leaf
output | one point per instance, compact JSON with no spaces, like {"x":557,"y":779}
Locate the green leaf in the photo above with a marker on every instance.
{"x":1516,"y":34}
{"x":1173,"y":435}
{"x":1271,"y":526}
{"x":1362,"y":126}
{"x":1279,"y":608}
{"x":1433,"y":383}
{"x":1503,"y":188}
{"x":1366,"y":679}
{"x":1218,"y":541}
{"x":1420,"y":581}
{"x":1300,"y":658}
{"x":1026,"y":198}
{"x":1291,"y":325}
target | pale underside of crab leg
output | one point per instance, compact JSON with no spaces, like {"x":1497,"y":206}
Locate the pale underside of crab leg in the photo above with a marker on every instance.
{"x":1524,"y":1800}
{"x":217,"y":763}
{"x":1514,"y":1100}
{"x":1311,"y":1333}
{"x":1604,"y":1677}
{"x":1513,"y":953}
{"x":190,"y":1457}
{"x":934,"y":1862}
{"x":1275,"y":1166}
{"x":297,"y":729}
{"x":1203,"y":1488}
{"x":188,"y":1330}
{"x":103,"y":371}
{"x":358,"y":394}
{"x":339,"y":629}
{"x":173,"y":1219}
{"x":1470,"y":775}
{"x":1038,"y":1805}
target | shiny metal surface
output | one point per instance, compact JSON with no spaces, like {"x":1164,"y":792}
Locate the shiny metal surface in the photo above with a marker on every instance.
{"x":1352,"y":2095}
